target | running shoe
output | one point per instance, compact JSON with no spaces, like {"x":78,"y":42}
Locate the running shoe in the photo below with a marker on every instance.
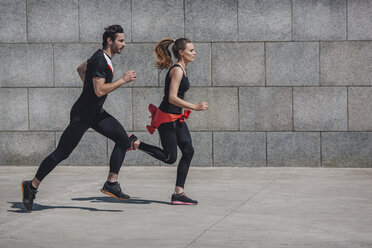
{"x":132,"y":139}
{"x":28,"y":195}
{"x":114,"y":191}
{"x":182,"y":199}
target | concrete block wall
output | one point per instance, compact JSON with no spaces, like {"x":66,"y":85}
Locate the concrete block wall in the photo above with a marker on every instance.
{"x":288,"y":82}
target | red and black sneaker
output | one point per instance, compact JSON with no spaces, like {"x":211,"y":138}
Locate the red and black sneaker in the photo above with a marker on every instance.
{"x":182,"y":199}
{"x":132,"y":139}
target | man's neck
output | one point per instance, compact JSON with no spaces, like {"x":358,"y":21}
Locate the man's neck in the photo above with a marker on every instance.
{"x":108,"y":52}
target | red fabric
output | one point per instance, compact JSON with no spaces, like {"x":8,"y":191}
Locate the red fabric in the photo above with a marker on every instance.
{"x":158,"y":117}
{"x":110,"y":69}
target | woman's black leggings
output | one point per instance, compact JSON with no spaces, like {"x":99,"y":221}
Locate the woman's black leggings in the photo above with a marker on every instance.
{"x":173,"y":134}
{"x":104,"y":124}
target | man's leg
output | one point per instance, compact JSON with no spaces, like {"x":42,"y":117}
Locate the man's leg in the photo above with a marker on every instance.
{"x":67,"y":143}
{"x":108,"y":126}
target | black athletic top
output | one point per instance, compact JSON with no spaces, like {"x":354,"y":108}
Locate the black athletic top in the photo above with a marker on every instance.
{"x":165,"y":105}
{"x":99,"y":65}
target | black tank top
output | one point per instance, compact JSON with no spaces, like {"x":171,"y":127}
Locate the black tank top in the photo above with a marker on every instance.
{"x":165,"y":105}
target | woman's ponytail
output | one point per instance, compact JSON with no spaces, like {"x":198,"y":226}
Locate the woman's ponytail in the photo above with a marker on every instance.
{"x":163,"y":55}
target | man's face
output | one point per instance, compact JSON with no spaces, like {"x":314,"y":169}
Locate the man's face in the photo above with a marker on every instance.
{"x":119,"y":43}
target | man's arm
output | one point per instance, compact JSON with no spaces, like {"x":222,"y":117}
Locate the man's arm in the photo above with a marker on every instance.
{"x":82,"y":69}
{"x":101,"y":88}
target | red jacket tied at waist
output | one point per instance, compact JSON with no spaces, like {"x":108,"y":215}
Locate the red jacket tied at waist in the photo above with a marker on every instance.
{"x":158,"y":117}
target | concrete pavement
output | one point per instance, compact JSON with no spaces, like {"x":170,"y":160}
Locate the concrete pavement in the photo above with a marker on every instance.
{"x":238,"y":207}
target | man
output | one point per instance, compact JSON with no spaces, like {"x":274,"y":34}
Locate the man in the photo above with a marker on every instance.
{"x":87,"y":112}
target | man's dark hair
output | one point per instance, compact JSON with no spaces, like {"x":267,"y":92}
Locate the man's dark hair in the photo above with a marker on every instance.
{"x":111,"y":32}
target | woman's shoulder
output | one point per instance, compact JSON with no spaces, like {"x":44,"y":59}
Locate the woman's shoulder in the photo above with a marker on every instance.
{"x":176,"y":70}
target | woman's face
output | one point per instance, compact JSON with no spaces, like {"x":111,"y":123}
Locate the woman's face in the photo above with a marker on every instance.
{"x":189,"y":53}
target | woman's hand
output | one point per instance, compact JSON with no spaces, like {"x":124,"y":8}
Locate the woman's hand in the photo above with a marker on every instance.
{"x":201,"y":106}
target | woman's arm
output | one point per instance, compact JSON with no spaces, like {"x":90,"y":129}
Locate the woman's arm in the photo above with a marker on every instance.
{"x":176,"y":77}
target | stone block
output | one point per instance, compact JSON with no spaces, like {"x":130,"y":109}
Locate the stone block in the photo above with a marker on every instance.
{"x":162,"y":75}
{"x":26,"y":65}
{"x":138,"y":57}
{"x":67,"y":57}
{"x":25,"y":148}
{"x":265,"y":109}
{"x":137,"y":157}
{"x":222,"y":113}
{"x":142,"y":97}
{"x":203,"y":149}
{"x":91,"y":150}
{"x":211,"y":20}
{"x":153,"y":20}
{"x":241,"y":149}
{"x":320,"y":109}
{"x":319,"y":20}
{"x":13,"y":109}
{"x":52,"y":21}
{"x":346,"y":63}
{"x":347,"y":149}
{"x":292,"y":64}
{"x":93,"y":21}
{"x":238,"y":64}
{"x":13,"y":18}
{"x":199,"y":72}
{"x":359,"y":20}
{"x":119,"y":105}
{"x":293,"y":149}
{"x":360,"y":108}
{"x":50,"y":108}
{"x":264,"y":20}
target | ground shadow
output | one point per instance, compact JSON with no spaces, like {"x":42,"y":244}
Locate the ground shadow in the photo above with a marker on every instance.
{"x":133,"y":200}
{"x":17,"y":207}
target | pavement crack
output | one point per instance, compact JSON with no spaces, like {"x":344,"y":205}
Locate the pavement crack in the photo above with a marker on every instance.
{"x":234,"y":210}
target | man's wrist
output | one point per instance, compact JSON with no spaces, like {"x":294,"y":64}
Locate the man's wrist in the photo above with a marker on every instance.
{"x":122,"y":81}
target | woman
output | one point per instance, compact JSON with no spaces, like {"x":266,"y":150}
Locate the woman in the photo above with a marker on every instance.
{"x":168,"y":118}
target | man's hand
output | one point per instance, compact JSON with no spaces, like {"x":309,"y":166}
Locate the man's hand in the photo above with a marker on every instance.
{"x":129,"y":76}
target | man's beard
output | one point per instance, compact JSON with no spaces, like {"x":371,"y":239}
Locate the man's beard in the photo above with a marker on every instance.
{"x":115,"y":50}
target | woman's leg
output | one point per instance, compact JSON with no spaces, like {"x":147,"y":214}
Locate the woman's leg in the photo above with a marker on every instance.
{"x":185,"y":144}
{"x":168,"y":138}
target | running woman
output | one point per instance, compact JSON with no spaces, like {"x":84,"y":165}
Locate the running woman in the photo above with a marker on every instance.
{"x":169,"y":119}
{"x":87,"y":112}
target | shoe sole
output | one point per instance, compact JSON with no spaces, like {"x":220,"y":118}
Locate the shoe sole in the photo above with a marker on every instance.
{"x":110,"y":194}
{"x":182,"y":203}
{"x":23,"y":197}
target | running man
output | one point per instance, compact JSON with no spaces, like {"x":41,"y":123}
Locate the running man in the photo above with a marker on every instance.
{"x":87,"y":112}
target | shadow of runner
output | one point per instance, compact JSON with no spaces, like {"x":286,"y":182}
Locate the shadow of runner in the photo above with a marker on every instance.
{"x":133,"y":200}
{"x":19,"y":208}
